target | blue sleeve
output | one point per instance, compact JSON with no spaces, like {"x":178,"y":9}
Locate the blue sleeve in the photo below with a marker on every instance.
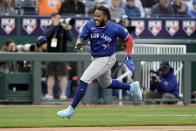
{"x":69,"y":35}
{"x":49,"y":33}
{"x":122,"y":32}
{"x":169,"y":85}
{"x":84,"y":34}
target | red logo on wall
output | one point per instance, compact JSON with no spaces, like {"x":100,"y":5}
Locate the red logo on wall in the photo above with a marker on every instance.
{"x":155,"y":26}
{"x":79,"y":24}
{"x":8,"y":24}
{"x":189,"y":26}
{"x":172,"y":26}
{"x":139,"y":26}
{"x":29,"y":25}
{"x":44,"y":23}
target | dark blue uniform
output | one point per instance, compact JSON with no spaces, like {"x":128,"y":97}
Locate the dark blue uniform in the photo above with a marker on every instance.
{"x":103,"y":39}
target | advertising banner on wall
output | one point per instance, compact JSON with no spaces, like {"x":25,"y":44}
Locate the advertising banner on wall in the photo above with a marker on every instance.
{"x":144,"y":27}
{"x":29,"y":26}
{"x":35,"y":26}
{"x":8,"y":26}
{"x":164,"y":28}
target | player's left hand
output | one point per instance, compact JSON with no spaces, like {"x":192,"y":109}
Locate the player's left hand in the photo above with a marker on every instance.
{"x":129,"y":63}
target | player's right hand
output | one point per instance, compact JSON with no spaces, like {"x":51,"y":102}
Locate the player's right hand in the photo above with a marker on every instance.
{"x":78,"y":45}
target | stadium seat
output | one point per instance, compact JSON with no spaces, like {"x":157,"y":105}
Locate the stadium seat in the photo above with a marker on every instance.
{"x":25,"y":7}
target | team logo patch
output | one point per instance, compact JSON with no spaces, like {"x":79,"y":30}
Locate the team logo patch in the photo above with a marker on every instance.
{"x":106,"y":45}
{"x":8,"y":24}
{"x":189,"y":26}
{"x":154,"y":26}
{"x":29,"y":25}
{"x":172,"y":26}
{"x":44,"y":23}
{"x":139,"y":26}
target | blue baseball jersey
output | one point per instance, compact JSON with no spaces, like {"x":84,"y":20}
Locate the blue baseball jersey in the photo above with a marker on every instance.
{"x":103,"y":39}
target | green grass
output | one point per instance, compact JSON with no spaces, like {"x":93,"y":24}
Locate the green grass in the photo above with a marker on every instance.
{"x":98,"y":116}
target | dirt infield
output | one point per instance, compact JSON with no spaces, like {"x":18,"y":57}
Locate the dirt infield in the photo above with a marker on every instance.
{"x":127,"y":128}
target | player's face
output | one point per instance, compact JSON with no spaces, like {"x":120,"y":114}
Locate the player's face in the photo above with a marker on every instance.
{"x":194,"y":6}
{"x":100,"y":18}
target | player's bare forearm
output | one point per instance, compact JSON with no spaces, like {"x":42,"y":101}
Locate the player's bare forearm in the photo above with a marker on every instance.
{"x":78,"y":43}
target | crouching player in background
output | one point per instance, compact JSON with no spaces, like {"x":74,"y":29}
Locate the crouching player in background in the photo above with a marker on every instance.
{"x":164,"y":86}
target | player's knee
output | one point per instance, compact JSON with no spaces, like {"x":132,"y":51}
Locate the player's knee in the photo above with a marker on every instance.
{"x":109,"y":86}
{"x":84,"y":82}
{"x":106,"y":85}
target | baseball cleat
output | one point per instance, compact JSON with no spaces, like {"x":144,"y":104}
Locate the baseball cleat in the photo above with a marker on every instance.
{"x":67,"y":113}
{"x":135,"y":88}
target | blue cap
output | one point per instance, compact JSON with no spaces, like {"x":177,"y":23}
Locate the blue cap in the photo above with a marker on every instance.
{"x":41,"y":40}
{"x":164,"y":64}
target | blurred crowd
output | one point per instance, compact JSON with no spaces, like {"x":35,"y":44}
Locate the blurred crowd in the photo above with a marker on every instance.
{"x":54,"y":40}
{"x":131,"y":8}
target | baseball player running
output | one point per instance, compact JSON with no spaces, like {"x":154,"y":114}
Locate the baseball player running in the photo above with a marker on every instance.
{"x":102,"y":34}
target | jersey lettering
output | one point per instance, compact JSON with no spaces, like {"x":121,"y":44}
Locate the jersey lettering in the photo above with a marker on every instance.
{"x":108,"y":39}
{"x":97,"y":35}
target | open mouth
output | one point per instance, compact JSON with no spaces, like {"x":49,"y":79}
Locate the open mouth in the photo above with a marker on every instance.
{"x":97,"y":22}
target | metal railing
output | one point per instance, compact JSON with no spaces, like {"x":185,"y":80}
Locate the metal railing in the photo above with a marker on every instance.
{"x":37,"y":58}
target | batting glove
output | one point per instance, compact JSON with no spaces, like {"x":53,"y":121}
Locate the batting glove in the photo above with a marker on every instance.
{"x":129,"y":63}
